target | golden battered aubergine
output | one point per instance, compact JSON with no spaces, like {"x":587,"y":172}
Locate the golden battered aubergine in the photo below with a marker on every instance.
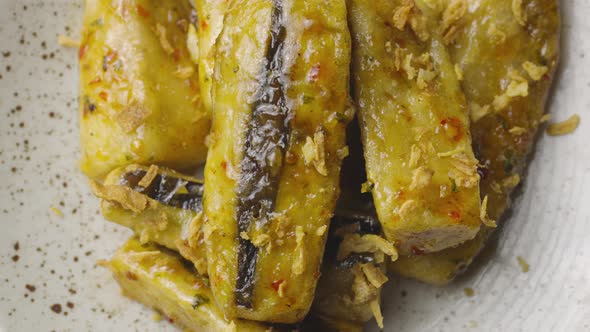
{"x":139,"y":91}
{"x":210,"y":15}
{"x":271,"y":179}
{"x":162,"y":280}
{"x":159,"y":205}
{"x":354,"y":262}
{"x":506,"y":52}
{"x":421,"y":168}
{"x":353,"y":271}
{"x":174,"y":201}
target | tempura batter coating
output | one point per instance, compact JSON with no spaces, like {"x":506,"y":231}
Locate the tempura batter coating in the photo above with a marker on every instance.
{"x":507,"y":54}
{"x":160,"y":205}
{"x":160,"y":280}
{"x":280,"y":111}
{"x":139,"y":92}
{"x":210,"y":16}
{"x":415,"y":128}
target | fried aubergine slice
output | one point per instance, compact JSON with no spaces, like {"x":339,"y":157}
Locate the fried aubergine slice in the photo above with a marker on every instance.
{"x":506,"y":52}
{"x":159,"y":205}
{"x":139,"y":91}
{"x":349,"y":288}
{"x":353,"y":271}
{"x":415,"y":128}
{"x":161,"y":280}
{"x":210,"y":15}
{"x":271,"y":179}
{"x":173,"y":201}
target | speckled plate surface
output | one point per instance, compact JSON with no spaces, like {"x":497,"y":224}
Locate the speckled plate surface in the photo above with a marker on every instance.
{"x":49,"y":279}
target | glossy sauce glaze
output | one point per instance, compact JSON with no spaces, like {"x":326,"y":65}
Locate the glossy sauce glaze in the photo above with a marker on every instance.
{"x":421,"y":168}
{"x":280,"y":110}
{"x":507,"y":55}
{"x":139,"y":90}
{"x":261,"y":165}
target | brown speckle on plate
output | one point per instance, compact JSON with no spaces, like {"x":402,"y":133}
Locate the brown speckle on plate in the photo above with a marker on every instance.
{"x":56,"y":308}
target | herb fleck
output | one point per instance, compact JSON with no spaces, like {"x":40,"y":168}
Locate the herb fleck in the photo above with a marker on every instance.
{"x":198,"y":300}
{"x":308,"y":99}
{"x":508,"y":161}
{"x":341,"y":117}
{"x":367,"y":187}
{"x":97,"y":23}
{"x":453,"y":186}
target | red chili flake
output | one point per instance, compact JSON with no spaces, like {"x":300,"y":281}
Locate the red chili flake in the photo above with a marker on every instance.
{"x":142,"y":11}
{"x":454,"y":127}
{"x":103,"y":95}
{"x":417,"y":251}
{"x":82,"y":51}
{"x":194,"y":85}
{"x":131,"y":276}
{"x":95,"y":80}
{"x":316,"y":275}
{"x":177,"y":55}
{"x":314,"y":72}
{"x":204,"y":24}
{"x":224,"y":165}
{"x":70,"y":305}
{"x":276,"y":284}
{"x":455,"y":215}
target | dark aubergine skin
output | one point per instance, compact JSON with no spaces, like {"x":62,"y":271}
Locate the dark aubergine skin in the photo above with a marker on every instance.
{"x":364,"y":224}
{"x":163,"y":189}
{"x":164,"y":210}
{"x":337,"y":283}
{"x":267,"y":137}
{"x":280,"y":109}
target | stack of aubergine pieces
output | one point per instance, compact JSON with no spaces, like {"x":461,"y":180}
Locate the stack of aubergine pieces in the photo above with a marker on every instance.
{"x":342,"y":139}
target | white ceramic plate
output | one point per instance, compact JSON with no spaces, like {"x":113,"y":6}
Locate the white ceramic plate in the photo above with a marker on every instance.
{"x":48,"y":260}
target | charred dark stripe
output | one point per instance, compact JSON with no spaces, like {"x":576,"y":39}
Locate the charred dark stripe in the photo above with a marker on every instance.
{"x":261,"y":165}
{"x":361,"y":222}
{"x":355,"y":258}
{"x":192,"y":202}
{"x":164,"y":188}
